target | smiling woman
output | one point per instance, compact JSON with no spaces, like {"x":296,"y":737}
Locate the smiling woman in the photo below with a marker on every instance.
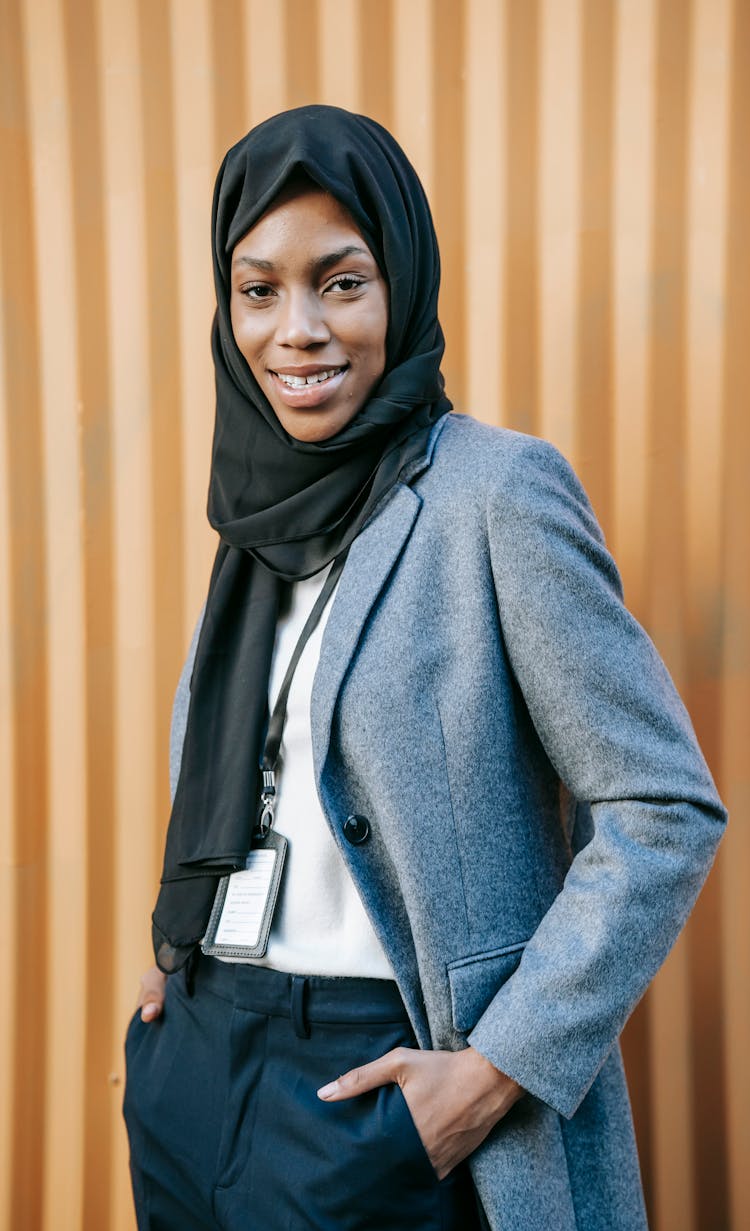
{"x":438,"y":810}
{"x":309,"y":312}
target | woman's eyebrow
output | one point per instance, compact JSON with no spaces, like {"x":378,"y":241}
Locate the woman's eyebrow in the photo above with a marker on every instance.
{"x":317,"y":267}
{"x":332,"y":258}
{"x":255,"y":262}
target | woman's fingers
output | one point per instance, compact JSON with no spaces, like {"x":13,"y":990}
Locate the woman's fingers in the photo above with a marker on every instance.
{"x":378,"y":1072}
{"x":151,"y":998}
{"x":454,"y":1098}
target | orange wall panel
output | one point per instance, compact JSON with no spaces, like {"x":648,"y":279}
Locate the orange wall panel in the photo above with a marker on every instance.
{"x":587,"y":165}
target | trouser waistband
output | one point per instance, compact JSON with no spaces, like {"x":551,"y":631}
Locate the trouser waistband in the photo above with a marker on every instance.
{"x":305,"y":999}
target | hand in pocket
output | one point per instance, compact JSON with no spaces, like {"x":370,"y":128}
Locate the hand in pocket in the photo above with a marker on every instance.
{"x":455,"y":1098}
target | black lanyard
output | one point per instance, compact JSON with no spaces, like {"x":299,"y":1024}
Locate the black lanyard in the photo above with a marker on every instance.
{"x":275,"y":733}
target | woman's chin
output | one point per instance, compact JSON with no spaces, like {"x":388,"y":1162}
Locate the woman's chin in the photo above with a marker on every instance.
{"x":312,"y":425}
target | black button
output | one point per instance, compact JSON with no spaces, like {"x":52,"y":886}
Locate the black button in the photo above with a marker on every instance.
{"x":356,"y":829}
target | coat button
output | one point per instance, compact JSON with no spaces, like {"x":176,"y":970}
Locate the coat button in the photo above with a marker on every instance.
{"x":356,"y":829}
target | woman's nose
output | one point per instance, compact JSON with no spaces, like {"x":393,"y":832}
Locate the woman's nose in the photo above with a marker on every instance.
{"x":301,"y":322}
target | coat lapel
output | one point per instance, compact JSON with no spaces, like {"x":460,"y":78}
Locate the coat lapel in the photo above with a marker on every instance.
{"x":371,"y":559}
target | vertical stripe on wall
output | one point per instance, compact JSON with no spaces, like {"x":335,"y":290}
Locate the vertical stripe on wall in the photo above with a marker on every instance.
{"x":594,"y":342}
{"x":734,"y":626}
{"x":587,"y":168}
{"x":26,"y":726}
{"x":520,"y":73}
{"x":483,"y":163}
{"x":559,"y":186}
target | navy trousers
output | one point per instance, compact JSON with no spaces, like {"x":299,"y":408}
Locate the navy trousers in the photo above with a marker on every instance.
{"x":226,"y":1129}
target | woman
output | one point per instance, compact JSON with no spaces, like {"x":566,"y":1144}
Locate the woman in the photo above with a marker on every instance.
{"x":477,"y":816}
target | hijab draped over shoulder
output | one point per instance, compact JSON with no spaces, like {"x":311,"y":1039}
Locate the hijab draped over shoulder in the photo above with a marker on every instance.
{"x":285,"y":508}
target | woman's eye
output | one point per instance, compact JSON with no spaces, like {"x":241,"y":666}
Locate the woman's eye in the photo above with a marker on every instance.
{"x":257,"y":291}
{"x":346,"y":282}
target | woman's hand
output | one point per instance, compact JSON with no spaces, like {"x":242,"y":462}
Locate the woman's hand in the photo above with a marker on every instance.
{"x":455,"y":1098}
{"x":151,"y":998}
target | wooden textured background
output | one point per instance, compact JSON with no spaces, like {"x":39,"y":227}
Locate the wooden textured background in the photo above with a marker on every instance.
{"x":588,"y":165}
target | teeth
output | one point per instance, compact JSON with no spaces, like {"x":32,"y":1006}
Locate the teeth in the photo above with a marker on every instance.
{"x":297,"y":382}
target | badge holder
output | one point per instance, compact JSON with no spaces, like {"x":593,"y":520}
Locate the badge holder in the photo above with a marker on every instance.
{"x":245,"y":902}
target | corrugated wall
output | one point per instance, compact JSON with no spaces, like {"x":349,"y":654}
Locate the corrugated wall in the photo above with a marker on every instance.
{"x":588,"y":165}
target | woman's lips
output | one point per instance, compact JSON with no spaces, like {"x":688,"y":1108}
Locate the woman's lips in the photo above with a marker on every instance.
{"x":305,"y":396}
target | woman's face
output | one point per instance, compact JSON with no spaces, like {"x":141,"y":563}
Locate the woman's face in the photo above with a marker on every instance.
{"x":309,"y":311}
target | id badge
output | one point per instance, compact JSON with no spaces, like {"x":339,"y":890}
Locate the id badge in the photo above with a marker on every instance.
{"x":245,"y":902}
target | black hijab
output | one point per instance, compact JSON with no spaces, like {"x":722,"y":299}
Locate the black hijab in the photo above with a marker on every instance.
{"x":284,"y":508}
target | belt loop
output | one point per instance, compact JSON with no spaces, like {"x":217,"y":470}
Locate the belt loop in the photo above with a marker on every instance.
{"x":297,"y":1007}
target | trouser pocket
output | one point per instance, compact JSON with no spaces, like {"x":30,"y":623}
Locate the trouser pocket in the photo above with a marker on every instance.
{"x":174,"y":1105}
{"x":354,"y":1165}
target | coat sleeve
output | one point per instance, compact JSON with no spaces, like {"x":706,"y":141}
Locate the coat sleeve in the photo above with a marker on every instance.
{"x":180,"y":707}
{"x":615,"y":730}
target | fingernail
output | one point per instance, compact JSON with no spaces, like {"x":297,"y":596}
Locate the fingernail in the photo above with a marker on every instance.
{"x":148,"y":1011}
{"x":327,"y":1091}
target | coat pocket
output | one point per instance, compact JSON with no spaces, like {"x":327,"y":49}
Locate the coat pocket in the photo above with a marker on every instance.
{"x":475,"y":980}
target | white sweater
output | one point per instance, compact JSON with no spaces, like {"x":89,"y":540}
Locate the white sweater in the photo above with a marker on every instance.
{"x":320,"y":926}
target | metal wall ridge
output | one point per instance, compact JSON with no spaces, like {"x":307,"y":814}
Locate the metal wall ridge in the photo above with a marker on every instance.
{"x":587,"y":165}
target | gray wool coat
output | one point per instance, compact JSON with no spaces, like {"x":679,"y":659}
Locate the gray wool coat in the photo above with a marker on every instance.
{"x":541,"y":817}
